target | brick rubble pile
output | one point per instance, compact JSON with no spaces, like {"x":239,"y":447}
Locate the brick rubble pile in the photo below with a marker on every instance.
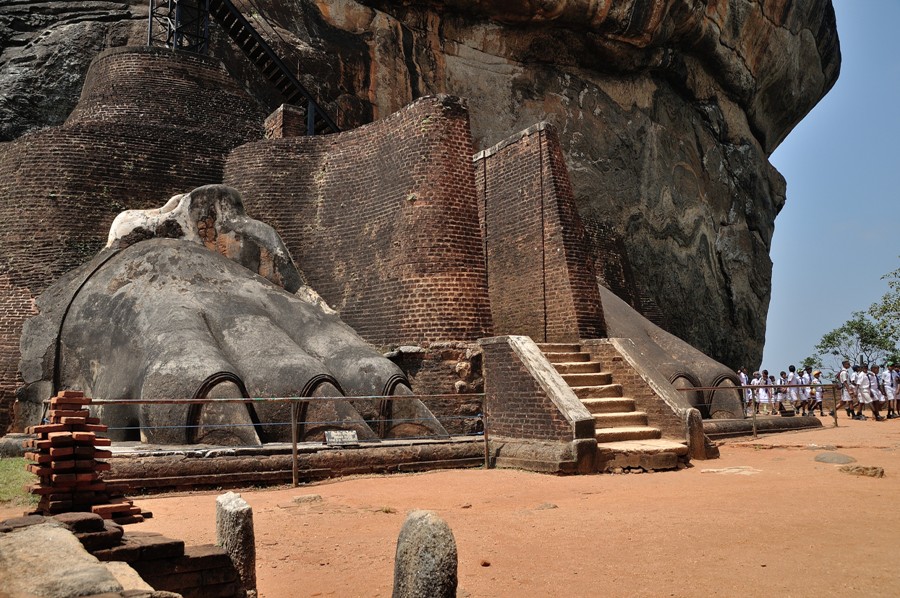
{"x":66,"y":458}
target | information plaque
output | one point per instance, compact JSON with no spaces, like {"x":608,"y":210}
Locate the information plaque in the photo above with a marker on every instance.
{"x":341,"y":437}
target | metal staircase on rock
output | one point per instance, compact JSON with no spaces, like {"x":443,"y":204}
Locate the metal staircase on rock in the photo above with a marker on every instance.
{"x":184,"y":25}
{"x":624,"y":436}
{"x":269,"y":64}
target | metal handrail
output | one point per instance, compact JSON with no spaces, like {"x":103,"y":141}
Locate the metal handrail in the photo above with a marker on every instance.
{"x":295,"y":403}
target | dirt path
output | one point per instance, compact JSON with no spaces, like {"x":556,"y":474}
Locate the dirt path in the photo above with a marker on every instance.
{"x":779,"y":524}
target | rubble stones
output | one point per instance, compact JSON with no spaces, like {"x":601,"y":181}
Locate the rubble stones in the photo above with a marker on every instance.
{"x":863,"y":470}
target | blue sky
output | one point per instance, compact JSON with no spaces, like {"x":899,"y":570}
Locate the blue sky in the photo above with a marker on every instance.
{"x":840,"y":229}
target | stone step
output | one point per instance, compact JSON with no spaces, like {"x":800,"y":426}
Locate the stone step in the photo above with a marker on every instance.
{"x":605,"y":435}
{"x":592,"y":379}
{"x":620,"y":420}
{"x":609,"y":405}
{"x":566,"y":357}
{"x":650,"y":455}
{"x":602,"y":391}
{"x":559,"y":347}
{"x":579,"y":367}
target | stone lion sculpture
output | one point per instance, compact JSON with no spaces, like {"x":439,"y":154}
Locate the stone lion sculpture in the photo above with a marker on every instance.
{"x":196,"y":300}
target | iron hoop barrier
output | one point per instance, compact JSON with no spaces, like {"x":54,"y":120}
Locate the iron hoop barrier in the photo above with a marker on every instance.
{"x":783,"y":387}
{"x":295,"y":403}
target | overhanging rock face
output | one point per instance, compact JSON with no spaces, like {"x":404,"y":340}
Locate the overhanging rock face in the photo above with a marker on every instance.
{"x":667,"y":111}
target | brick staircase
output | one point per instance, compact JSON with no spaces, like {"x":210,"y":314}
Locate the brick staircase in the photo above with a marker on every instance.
{"x":624,"y":437}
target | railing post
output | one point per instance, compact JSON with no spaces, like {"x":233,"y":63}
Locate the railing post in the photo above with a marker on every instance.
{"x":295,"y":473}
{"x":487,"y":450}
{"x":834,"y":408}
{"x":754,"y":405}
{"x":310,"y":118}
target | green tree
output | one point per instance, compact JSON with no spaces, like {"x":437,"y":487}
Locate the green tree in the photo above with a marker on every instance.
{"x":887,"y":311}
{"x":861,"y":339}
{"x":813,"y":361}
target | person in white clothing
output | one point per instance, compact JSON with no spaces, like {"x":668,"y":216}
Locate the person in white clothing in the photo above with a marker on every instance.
{"x":887,"y":383}
{"x":818,"y":393}
{"x":864,"y":394}
{"x":781,"y":391}
{"x":875,"y":385}
{"x":895,"y":382}
{"x":844,"y":381}
{"x":753,"y":406}
{"x":745,"y":381}
{"x":805,"y":394}
{"x":793,"y":384}
{"x":764,"y":394}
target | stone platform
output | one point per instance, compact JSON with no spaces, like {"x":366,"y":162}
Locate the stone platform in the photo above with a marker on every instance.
{"x":151,"y":468}
{"x":726,"y":428}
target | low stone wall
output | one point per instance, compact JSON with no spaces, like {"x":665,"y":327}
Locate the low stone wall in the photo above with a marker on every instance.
{"x":188,"y":468}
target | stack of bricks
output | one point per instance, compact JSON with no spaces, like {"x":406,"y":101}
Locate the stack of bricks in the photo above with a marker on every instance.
{"x":65,"y":458}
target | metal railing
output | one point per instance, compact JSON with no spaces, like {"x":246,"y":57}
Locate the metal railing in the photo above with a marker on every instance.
{"x":298,"y":410}
{"x":772,"y":400}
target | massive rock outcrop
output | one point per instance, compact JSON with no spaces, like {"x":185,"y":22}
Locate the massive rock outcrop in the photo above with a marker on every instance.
{"x":667,"y":110}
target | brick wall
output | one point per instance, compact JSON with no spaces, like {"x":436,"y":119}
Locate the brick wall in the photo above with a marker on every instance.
{"x":659,"y":413}
{"x":614,"y":271}
{"x":447,"y":368}
{"x":541,"y":280}
{"x":518,"y":406}
{"x":382,"y":220}
{"x":286,"y":121}
{"x":16,"y":306}
{"x":150,"y":123}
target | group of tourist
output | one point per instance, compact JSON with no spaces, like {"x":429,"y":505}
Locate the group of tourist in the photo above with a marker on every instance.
{"x":860,"y":387}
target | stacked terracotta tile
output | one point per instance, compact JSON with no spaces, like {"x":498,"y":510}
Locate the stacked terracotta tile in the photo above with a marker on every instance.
{"x":65,"y":457}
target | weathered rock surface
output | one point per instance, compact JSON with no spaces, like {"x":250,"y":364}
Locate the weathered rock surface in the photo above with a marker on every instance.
{"x":667,"y":110}
{"x":234,"y":533}
{"x":426,"y":561}
{"x":45,"y":49}
{"x":834,"y":458}
{"x":47,"y":561}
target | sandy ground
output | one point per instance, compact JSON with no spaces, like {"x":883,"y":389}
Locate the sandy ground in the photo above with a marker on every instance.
{"x":765,"y":519}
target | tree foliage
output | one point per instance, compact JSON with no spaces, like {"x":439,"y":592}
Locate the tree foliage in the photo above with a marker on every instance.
{"x":887,"y":311}
{"x":813,"y":361}
{"x":860,"y":339}
{"x":870,"y":337}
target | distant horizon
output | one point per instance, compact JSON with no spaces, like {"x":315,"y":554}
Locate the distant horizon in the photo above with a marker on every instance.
{"x":839,"y":231}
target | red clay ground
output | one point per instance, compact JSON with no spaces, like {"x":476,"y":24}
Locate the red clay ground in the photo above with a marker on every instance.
{"x":786,"y":526}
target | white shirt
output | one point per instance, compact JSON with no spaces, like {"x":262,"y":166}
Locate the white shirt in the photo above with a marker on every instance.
{"x":888,"y":380}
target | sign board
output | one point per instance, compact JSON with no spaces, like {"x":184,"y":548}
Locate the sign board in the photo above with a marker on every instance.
{"x":341,"y":438}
